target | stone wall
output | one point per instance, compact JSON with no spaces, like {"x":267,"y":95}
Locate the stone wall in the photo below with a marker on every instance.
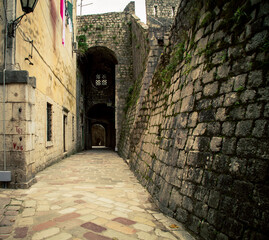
{"x":41,"y":70}
{"x":113,"y":31}
{"x":199,"y":143}
{"x":161,"y":13}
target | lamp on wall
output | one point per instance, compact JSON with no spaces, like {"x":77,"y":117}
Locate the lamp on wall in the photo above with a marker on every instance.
{"x":27,"y":6}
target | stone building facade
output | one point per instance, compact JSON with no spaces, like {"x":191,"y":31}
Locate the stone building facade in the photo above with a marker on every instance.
{"x":107,"y":43}
{"x":197,"y":137}
{"x":38,"y":100}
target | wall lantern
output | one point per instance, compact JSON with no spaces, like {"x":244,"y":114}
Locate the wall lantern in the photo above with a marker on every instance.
{"x":27,"y":6}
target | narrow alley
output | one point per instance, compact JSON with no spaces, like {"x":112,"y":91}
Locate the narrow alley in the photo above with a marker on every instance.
{"x":90,"y":195}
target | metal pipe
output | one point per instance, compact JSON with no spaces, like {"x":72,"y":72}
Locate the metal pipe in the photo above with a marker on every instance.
{"x":4,"y":86}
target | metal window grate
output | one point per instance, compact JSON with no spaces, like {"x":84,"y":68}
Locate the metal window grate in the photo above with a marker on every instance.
{"x":49,"y":122}
{"x":73,"y":128}
{"x":101,"y":80}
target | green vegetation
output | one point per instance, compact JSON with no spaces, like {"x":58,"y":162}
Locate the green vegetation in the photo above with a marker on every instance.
{"x":133,"y":94}
{"x":240,"y":89}
{"x":177,"y":56}
{"x":239,"y":14}
{"x":84,"y":29}
{"x":82,"y":43}
{"x":207,"y":19}
{"x":265,"y":47}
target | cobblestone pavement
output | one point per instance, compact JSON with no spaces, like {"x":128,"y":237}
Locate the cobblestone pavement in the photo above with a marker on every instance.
{"x":90,"y":195}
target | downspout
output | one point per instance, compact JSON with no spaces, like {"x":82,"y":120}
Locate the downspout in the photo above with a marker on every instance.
{"x":4,"y":87}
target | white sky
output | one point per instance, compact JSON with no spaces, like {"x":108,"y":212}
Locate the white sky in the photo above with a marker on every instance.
{"x":105,"y":6}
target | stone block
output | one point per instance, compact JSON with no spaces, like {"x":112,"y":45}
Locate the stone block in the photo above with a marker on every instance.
{"x":223,"y":71}
{"x":230,"y":99}
{"x":248,"y":96}
{"x":218,"y":101}
{"x":22,"y":143}
{"x":239,"y":82}
{"x":182,"y":215}
{"x":187,"y":203}
{"x":247,"y":147}
{"x":213,"y":128}
{"x":195,"y":175}
{"x":181,"y":120}
{"x":215,"y":218}
{"x":202,"y":144}
{"x":209,"y":76}
{"x":197,"y":158}
{"x":263,"y":94}
{"x":259,"y":129}
{"x":254,"y":111}
{"x":208,"y":231}
{"x":17,"y":93}
{"x":200,"y":129}
{"x":214,"y":199}
{"x":175,"y":199}
{"x":192,"y":121}
{"x":243,"y":128}
{"x":201,"y":209}
{"x":229,"y":146}
{"x":187,"y":91}
{"x":227,"y":86}
{"x":237,"y":113}
{"x":2,"y":94}
{"x":8,"y":111}
{"x":22,"y":111}
{"x":187,"y":188}
{"x":194,"y":224}
{"x":211,"y":89}
{"x":203,"y":104}
{"x":215,"y":144}
{"x":187,"y":104}
{"x":257,"y":40}
{"x":221,"y":114}
{"x":207,"y":115}
{"x":233,"y":228}
{"x":182,"y":157}
{"x":255,"y":79}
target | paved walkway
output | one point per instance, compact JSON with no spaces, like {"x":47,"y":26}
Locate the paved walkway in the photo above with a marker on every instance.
{"x":90,"y":195}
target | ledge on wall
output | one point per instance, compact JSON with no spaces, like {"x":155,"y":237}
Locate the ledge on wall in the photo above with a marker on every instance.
{"x":15,"y":76}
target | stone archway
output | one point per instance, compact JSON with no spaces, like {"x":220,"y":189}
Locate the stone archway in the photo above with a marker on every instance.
{"x":101,"y":122}
{"x":98,"y":135}
{"x":97,"y":67}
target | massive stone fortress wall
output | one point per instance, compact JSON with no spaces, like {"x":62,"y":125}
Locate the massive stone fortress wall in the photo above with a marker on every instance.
{"x":199,"y":143}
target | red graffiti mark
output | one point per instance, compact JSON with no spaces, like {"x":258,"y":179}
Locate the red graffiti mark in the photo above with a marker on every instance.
{"x":16,"y":147}
{"x":18,"y":130}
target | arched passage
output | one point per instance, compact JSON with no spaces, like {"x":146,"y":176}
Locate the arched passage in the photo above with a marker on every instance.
{"x":97,"y":67}
{"x":98,"y":135}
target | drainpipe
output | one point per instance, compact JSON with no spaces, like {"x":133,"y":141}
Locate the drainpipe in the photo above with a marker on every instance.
{"x":5,"y":176}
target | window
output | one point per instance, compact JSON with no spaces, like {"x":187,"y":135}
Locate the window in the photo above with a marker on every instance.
{"x":73,"y":128}
{"x":173,"y":11}
{"x":101,"y":80}
{"x":49,"y":122}
{"x":155,"y":11}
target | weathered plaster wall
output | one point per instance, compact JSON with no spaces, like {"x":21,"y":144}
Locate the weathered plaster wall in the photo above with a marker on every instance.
{"x":200,"y":140}
{"x":2,"y":31}
{"x":39,"y":38}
